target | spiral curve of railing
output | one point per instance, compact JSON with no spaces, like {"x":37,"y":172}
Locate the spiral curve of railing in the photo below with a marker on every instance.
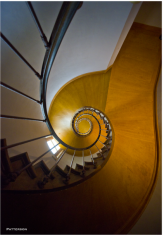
{"x":65,"y":16}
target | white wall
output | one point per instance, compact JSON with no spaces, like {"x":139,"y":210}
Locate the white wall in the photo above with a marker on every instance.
{"x":88,"y":43}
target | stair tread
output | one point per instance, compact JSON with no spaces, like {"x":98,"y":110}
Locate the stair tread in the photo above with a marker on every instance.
{"x":108,"y":141}
{"x":60,"y":171}
{"x":74,"y":171}
{"x":98,"y":158}
{"x":42,"y":165}
{"x":81,"y":167}
{"x":24,"y":161}
{"x":99,"y":154}
{"x":89,"y":163}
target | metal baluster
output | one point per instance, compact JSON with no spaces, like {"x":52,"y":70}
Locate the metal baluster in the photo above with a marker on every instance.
{"x":46,"y":178}
{"x":108,"y":134}
{"x":68,"y":174}
{"x":24,"y":142}
{"x":43,"y":37}
{"x":13,"y":175}
{"x":102,"y":124}
{"x":92,"y":159}
{"x":109,"y":138}
{"x":104,"y":145}
{"x":21,"y":57}
{"x":100,"y":152}
{"x":83,"y":171}
{"x":19,"y":92}
{"x":23,"y":118}
{"x":92,"y":114}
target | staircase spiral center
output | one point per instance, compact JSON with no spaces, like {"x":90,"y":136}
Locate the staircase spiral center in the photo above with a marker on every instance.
{"x":83,"y":125}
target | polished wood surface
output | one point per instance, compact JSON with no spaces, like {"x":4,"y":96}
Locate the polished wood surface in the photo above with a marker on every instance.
{"x":86,"y":90}
{"x":132,"y":110}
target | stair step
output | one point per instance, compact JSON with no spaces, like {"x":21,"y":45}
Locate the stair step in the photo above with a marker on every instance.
{"x":66,"y":169}
{"x":21,"y":160}
{"x":42,"y":170}
{"x":43,"y":166}
{"x":105,"y":150}
{"x":81,"y":167}
{"x":98,"y":158}
{"x":58,"y":182}
{"x":89,"y":163}
{"x":107,"y":147}
{"x":108,"y":133}
{"x":76,"y":172}
{"x":108,"y":142}
{"x":92,"y":164}
{"x":99,"y":155}
{"x":60,"y":171}
{"x":107,"y":126}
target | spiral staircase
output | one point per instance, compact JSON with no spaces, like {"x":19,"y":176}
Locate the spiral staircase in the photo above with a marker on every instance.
{"x":99,"y":140}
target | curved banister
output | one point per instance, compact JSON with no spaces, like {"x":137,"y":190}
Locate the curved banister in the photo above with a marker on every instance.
{"x":23,"y":118}
{"x":65,"y":16}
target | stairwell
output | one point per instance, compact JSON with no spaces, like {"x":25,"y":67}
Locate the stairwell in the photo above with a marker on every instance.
{"x":119,"y":199}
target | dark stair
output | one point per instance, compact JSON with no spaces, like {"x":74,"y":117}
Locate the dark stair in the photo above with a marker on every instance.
{"x":80,"y":167}
{"x":75,"y":172}
{"x":60,"y":171}
{"x":21,"y":160}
